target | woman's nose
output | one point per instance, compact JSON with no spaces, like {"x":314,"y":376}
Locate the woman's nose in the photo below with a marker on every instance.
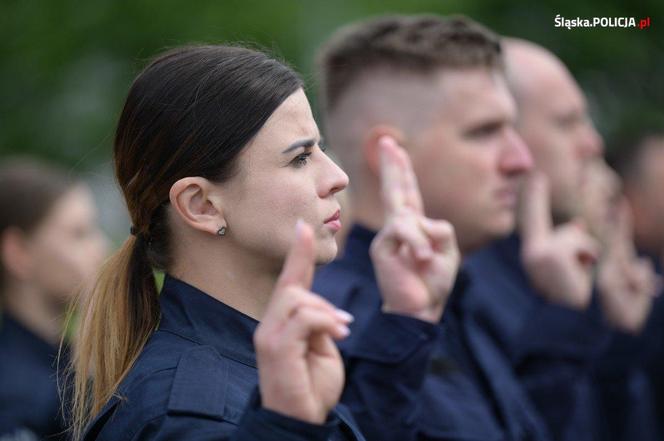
{"x":335,"y":178}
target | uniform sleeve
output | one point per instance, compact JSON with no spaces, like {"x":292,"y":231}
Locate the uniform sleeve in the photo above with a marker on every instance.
{"x":551,"y":348}
{"x":386,"y":367}
{"x":256,"y":424}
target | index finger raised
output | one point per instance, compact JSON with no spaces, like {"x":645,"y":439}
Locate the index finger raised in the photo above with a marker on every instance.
{"x":298,"y":267}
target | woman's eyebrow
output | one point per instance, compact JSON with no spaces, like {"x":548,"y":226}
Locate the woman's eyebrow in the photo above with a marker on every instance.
{"x":301,"y":143}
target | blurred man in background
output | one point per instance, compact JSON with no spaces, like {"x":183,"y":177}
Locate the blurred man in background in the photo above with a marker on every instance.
{"x":637,"y":154}
{"x":535,"y":288}
{"x":437,"y":87}
{"x":639,"y":159}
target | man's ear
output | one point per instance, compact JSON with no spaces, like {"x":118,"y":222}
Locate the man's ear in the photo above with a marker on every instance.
{"x":14,"y":253}
{"x":198,"y":203}
{"x":370,"y":149}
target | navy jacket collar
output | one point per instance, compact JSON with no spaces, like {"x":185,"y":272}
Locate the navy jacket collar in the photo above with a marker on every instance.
{"x":192,"y":314}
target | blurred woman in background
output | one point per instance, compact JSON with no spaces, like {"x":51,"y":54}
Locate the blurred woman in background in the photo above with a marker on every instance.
{"x":50,"y":244}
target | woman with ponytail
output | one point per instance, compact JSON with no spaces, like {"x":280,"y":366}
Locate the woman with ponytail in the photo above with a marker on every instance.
{"x":213,"y":199}
{"x":230,"y":194}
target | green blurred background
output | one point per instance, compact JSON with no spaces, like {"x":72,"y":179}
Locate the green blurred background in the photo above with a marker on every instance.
{"x":66,"y":66}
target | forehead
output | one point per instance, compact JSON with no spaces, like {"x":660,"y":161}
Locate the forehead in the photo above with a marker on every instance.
{"x":75,"y":205}
{"x":474,"y":94}
{"x":554,"y":90}
{"x":291,"y":121}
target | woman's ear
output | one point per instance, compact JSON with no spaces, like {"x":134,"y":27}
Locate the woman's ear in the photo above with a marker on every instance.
{"x":198,"y":203}
{"x":370,"y":148}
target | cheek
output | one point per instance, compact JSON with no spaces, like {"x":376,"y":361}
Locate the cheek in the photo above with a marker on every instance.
{"x":554,"y":150}
{"x":547,"y":144}
{"x":564,"y":167}
{"x":61,"y":265}
{"x":437,"y":179}
{"x":264,"y":220}
{"x":458,"y":181}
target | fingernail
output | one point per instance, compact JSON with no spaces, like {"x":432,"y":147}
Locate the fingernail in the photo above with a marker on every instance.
{"x":343,"y":330}
{"x":299,"y":225}
{"x":385,"y":139}
{"x":344,"y":316}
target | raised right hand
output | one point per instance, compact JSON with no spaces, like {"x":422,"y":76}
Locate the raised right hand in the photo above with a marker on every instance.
{"x":559,"y":260}
{"x":627,"y":283}
{"x":300,"y":370}
{"x":416,"y":259}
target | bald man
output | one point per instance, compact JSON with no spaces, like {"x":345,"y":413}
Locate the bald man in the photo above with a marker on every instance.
{"x":554,"y":122}
{"x":552,"y":327}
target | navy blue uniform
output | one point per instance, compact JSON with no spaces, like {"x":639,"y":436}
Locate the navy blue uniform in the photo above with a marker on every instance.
{"x":627,"y":394}
{"x":196,"y":379}
{"x":655,"y":350}
{"x":29,"y":400}
{"x":625,"y":398}
{"x":469,"y":391}
{"x":552,"y":348}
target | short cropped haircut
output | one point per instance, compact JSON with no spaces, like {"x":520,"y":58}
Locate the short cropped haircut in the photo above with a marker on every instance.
{"x":419,"y":44}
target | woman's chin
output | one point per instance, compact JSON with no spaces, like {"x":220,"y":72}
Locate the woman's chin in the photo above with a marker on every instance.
{"x":326,"y":252}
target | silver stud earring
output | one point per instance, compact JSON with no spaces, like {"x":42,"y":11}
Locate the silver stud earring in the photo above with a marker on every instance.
{"x":221,"y":231}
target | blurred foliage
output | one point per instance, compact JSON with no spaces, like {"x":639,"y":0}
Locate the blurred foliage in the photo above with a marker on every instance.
{"x":67,"y":65}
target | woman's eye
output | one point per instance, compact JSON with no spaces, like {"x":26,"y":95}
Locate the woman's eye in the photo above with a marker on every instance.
{"x":322,"y":146}
{"x":301,"y":159}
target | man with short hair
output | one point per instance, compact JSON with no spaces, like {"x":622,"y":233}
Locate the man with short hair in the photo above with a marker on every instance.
{"x":436,"y":86}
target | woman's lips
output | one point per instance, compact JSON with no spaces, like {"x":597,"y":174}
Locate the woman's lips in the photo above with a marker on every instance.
{"x":334,"y":222}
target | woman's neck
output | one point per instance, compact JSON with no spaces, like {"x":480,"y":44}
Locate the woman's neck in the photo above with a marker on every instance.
{"x":242,"y":282}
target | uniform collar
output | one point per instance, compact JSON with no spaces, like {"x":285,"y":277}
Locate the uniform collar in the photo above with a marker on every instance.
{"x":507,"y":252}
{"x":195,"y":315}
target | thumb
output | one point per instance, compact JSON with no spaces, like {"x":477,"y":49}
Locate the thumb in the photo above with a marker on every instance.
{"x":298,"y":268}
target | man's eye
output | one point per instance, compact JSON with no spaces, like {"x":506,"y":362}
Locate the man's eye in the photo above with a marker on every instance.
{"x":301,"y":159}
{"x":484,"y":131}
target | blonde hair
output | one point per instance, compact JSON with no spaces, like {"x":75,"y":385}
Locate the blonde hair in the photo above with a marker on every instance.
{"x":117,"y":316}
